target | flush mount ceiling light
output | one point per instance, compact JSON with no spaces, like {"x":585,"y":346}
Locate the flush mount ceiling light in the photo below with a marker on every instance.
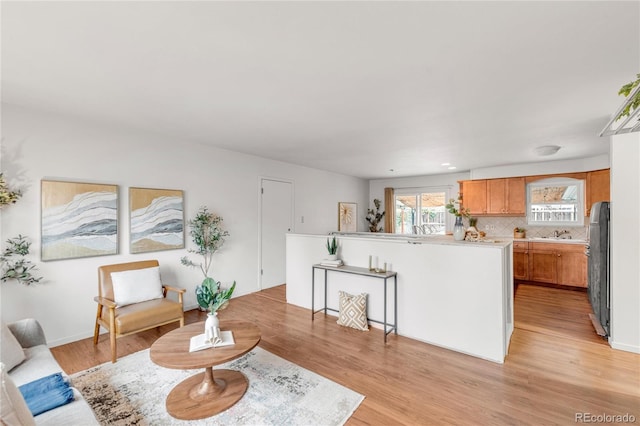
{"x":547,"y":150}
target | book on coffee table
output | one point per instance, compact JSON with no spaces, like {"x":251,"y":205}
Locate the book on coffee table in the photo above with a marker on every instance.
{"x":220,"y":338}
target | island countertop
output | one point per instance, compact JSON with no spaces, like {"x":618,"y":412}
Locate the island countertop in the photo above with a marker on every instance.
{"x":454,"y":294}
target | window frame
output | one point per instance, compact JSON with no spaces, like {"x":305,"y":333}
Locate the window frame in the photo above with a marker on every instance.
{"x":558,"y":181}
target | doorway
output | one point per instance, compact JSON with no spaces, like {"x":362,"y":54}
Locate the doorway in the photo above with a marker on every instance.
{"x":276,"y":219}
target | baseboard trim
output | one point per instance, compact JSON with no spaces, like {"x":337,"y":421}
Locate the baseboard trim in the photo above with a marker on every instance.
{"x":624,"y":347}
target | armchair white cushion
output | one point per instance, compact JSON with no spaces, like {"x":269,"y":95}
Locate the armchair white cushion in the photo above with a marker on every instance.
{"x":136,"y":285}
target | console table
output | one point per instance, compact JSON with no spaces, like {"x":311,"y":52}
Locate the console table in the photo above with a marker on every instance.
{"x":364,"y":272}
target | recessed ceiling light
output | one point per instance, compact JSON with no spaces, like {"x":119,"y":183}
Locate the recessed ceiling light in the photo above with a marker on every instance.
{"x":445,"y":164}
{"x":547,"y":150}
{"x":451,"y":167}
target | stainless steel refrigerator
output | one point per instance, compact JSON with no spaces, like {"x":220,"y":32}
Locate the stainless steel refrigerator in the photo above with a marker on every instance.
{"x":598,"y":260}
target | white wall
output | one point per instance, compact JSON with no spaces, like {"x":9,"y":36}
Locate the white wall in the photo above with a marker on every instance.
{"x":36,"y":145}
{"x":625,"y":242}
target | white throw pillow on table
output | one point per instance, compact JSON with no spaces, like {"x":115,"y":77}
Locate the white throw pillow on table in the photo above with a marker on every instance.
{"x":136,"y":285}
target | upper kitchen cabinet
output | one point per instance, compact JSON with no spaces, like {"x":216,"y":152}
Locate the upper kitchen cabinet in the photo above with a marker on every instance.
{"x":506,"y":196}
{"x":495,"y":197}
{"x":474,"y":196}
{"x":598,"y":187}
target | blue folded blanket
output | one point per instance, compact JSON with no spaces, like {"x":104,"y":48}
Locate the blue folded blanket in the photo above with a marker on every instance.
{"x":46,"y":393}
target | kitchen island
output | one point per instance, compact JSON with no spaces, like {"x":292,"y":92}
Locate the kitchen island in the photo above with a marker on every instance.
{"x":453,"y":294}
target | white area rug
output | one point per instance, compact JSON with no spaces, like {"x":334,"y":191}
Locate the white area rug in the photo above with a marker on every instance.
{"x":133,"y":391}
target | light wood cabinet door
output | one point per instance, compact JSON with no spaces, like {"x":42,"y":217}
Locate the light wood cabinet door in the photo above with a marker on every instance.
{"x":474,"y":196}
{"x":497,"y":196}
{"x":542,"y":264}
{"x":571,"y":265}
{"x":598,"y":188}
{"x":520,"y":260}
{"x":516,"y":196}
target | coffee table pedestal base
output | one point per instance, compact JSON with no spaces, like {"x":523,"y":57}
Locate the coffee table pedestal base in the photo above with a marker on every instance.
{"x":203,"y":396}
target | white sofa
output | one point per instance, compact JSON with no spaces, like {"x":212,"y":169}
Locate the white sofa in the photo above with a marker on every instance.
{"x":39,"y":362}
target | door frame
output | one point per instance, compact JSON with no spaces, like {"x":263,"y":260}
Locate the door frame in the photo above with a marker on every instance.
{"x":293,"y":218}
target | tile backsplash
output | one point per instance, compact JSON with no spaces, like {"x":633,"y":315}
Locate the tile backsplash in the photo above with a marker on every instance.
{"x":503,"y":227}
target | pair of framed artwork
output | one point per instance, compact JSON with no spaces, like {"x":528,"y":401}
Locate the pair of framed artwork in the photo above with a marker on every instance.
{"x":81,"y":219}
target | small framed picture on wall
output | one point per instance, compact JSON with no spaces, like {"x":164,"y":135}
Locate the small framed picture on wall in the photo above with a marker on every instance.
{"x":347,"y":217}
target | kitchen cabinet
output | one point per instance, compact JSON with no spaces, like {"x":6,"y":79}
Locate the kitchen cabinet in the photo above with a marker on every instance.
{"x":494,"y":196}
{"x":506,"y":196}
{"x":542,"y":266}
{"x":521,"y":260}
{"x":598,"y":188}
{"x":558,"y":263}
{"x":474,"y":196}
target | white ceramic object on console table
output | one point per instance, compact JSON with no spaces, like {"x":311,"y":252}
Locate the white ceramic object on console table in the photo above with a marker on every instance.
{"x":458,"y":295}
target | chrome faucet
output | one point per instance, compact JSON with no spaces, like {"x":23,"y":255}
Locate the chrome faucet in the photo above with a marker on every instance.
{"x":557,"y":234}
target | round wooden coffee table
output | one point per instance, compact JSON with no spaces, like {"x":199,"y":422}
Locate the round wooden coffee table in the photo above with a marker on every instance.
{"x":202,"y":395}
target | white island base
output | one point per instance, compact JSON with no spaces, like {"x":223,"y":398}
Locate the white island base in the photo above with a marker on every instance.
{"x":457,"y":295}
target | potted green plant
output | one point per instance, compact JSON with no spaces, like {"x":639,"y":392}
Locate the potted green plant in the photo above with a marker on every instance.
{"x":208,"y":236}
{"x":332,"y":248}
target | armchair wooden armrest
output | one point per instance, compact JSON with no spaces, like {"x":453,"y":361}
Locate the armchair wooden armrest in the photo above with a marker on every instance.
{"x":176,"y":289}
{"x":105,"y":302}
{"x":167,"y":288}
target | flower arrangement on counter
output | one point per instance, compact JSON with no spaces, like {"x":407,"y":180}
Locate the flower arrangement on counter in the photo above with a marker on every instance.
{"x":456,"y":209}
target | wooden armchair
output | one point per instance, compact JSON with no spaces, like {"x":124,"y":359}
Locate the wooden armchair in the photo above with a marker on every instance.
{"x":131,"y":299}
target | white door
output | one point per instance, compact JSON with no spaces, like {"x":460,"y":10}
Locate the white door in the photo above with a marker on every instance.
{"x":276,"y":220}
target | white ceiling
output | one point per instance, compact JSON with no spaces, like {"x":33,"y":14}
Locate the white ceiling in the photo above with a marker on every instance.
{"x":352,"y":87}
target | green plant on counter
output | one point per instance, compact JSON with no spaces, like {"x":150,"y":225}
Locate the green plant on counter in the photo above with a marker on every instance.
{"x":332,"y":245}
{"x":14,"y":265}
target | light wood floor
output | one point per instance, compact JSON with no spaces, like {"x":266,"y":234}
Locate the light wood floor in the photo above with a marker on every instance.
{"x":557,"y":366}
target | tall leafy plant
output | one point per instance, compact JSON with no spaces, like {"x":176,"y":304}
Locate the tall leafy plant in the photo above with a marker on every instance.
{"x":208,"y":236}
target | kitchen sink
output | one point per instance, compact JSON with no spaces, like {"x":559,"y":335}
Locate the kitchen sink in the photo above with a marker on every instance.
{"x":556,"y":239}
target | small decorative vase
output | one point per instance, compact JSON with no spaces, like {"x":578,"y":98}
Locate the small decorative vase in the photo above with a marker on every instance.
{"x":458,"y":229}
{"x":332,"y":257}
{"x":210,"y":324}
